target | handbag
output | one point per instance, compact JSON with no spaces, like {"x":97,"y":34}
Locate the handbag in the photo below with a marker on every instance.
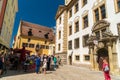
{"x":106,"y":68}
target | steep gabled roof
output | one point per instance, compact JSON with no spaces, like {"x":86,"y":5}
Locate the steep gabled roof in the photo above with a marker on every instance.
{"x":37,"y":30}
{"x":60,"y":10}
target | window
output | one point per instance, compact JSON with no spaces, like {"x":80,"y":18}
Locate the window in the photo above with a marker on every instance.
{"x":84,"y":2}
{"x":85,"y":38}
{"x":58,"y":47}
{"x":70,"y":13}
{"x":77,"y":57}
{"x":85,"y":21}
{"x":42,"y":46}
{"x":117,"y":5}
{"x":47,"y":47}
{"x":29,"y":39}
{"x":119,"y":31}
{"x":76,"y":43}
{"x":60,"y":20}
{"x":30,"y":32}
{"x":87,"y":57}
{"x":97,"y":35}
{"x":70,"y":30}
{"x":45,"y":42}
{"x":96,"y":15}
{"x":31,"y":45}
{"x":77,"y":26}
{"x":103,"y":30}
{"x":100,"y":13}
{"x":24,"y":44}
{"x":103,"y":12}
{"x":70,"y":45}
{"x":76,"y":7}
{"x":59,"y":34}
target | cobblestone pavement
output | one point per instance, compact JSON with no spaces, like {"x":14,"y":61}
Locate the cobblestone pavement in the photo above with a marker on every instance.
{"x":65,"y":72}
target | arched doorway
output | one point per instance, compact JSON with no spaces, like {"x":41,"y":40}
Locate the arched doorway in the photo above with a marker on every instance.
{"x":102,"y":53}
{"x":105,"y":47}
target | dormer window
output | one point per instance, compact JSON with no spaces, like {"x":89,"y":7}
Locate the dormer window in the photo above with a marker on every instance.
{"x":46,"y":35}
{"x":40,"y":31}
{"x":30,"y":32}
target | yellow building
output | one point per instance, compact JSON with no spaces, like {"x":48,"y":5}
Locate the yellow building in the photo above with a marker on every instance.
{"x":33,"y":37}
{"x":8,"y":22}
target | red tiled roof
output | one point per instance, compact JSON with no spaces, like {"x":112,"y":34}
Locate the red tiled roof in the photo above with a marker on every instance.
{"x":37,"y":30}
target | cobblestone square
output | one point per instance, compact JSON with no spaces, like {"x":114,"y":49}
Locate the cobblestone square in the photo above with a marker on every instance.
{"x":65,"y":72}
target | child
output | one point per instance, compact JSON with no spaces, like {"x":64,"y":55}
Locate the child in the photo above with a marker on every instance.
{"x":106,"y":70}
{"x":44,"y":65}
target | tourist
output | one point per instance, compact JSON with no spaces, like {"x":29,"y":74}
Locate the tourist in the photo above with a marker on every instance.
{"x":106,"y":70}
{"x":55,"y":62}
{"x":48,"y":62}
{"x":59,"y":60}
{"x":37,"y":64}
{"x":44,"y":64}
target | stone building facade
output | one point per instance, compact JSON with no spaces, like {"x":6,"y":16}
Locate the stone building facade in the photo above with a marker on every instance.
{"x":93,"y":30}
{"x":35,"y":38}
{"x":8,"y":9}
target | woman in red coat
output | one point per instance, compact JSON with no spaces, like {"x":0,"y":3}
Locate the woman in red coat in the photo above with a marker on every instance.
{"x":106,"y":70}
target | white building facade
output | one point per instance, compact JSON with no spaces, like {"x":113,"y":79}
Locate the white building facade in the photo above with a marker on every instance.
{"x":92,"y":26}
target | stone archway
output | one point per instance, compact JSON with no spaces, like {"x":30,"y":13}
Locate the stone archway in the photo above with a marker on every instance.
{"x":105,"y":46}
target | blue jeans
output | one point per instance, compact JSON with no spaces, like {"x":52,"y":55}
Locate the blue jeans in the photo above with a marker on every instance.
{"x":37,"y":68}
{"x":55,"y":65}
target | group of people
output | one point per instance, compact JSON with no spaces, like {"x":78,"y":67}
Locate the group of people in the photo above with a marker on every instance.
{"x":40,"y":63}
{"x":44,"y":62}
{"x":37,"y":63}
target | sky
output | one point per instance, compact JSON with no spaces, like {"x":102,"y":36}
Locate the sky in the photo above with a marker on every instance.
{"x":36,"y":11}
